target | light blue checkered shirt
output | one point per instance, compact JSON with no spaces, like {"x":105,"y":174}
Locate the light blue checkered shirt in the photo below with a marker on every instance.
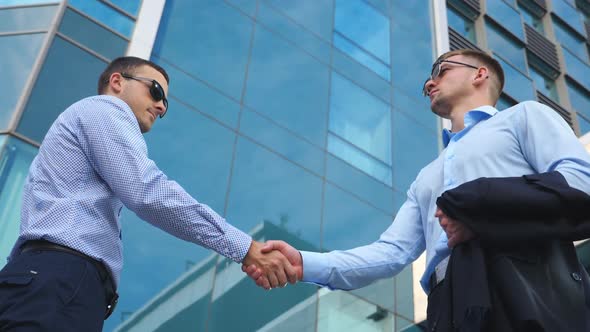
{"x":93,"y":161}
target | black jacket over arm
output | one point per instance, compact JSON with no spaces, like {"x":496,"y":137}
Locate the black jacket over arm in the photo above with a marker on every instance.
{"x":521,"y":273}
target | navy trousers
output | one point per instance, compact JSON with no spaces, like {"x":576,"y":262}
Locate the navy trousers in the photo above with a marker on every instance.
{"x":42,"y":290}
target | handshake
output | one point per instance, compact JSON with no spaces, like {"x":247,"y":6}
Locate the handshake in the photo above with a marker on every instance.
{"x":273,"y":264}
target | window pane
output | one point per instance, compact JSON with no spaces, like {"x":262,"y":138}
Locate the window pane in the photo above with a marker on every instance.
{"x":517,"y":85}
{"x":569,"y":14}
{"x":361,"y":56}
{"x":576,"y":68}
{"x":505,"y":46}
{"x":568,"y":39}
{"x":360,"y":118}
{"x":460,"y":24}
{"x":507,"y":15}
{"x":584,"y":124}
{"x":27,"y":18}
{"x":59,"y":86}
{"x":544,"y":84}
{"x":313,"y":15}
{"x":15,"y":159}
{"x":579,"y":98}
{"x":342,"y":311}
{"x":92,"y":35}
{"x":26,"y":2}
{"x":130,"y":6}
{"x":19,"y":53}
{"x":106,"y":15}
{"x":531,"y":19}
{"x":503,"y":103}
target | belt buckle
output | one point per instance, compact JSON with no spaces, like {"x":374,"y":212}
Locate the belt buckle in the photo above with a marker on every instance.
{"x":111,"y":306}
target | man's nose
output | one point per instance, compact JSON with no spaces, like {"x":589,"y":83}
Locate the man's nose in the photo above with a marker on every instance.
{"x":430,"y":83}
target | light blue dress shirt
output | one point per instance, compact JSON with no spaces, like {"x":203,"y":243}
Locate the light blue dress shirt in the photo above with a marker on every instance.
{"x":525,"y":139}
{"x":93,"y":161}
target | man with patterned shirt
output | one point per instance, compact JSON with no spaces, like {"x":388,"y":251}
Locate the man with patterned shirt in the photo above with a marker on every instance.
{"x":64,"y":269}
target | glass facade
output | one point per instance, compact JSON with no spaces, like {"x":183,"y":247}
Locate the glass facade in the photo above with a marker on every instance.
{"x":295,"y":120}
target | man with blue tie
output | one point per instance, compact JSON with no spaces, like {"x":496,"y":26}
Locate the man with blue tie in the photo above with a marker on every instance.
{"x":526,"y":139}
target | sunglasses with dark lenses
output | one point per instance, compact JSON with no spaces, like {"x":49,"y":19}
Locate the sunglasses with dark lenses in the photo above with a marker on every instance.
{"x":156,"y":90}
{"x":436,"y":68}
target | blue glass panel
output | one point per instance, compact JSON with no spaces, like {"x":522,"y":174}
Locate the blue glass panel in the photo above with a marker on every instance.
{"x":365,"y":26}
{"x":359,"y":158}
{"x":92,"y":35}
{"x":570,"y":15}
{"x":584,"y":124}
{"x":267,"y":188}
{"x":411,"y":67}
{"x":246,"y":6}
{"x":19,"y":53}
{"x":381,"y":292}
{"x":76,"y":80}
{"x":579,"y":99}
{"x":503,"y":103}
{"x":349,"y":222}
{"x":283,"y":142}
{"x":26,"y":2}
{"x":313,"y":15}
{"x":413,"y":148}
{"x":543,"y":84}
{"x":360,"y":118}
{"x":576,"y":68}
{"x":203,"y":173}
{"x":130,"y":6}
{"x":15,"y":160}
{"x":417,"y":107}
{"x":508,"y":16}
{"x":505,"y":46}
{"x":361,"y":56}
{"x":531,"y":20}
{"x":207,"y":39}
{"x":572,"y":42}
{"x":106,"y":15}
{"x":288,"y":86}
{"x":287,"y":29}
{"x":360,"y":74}
{"x":27,"y":18}
{"x":358,"y":182}
{"x":460,"y":24}
{"x":191,"y":91}
{"x":517,"y":85}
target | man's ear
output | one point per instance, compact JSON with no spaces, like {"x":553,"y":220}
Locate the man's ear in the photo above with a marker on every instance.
{"x":481,"y":76}
{"x":116,"y":83}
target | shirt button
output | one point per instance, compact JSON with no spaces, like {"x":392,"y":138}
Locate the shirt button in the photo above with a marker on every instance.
{"x":576,"y":276}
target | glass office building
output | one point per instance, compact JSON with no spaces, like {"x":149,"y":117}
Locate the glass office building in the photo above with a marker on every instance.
{"x":295,"y":120}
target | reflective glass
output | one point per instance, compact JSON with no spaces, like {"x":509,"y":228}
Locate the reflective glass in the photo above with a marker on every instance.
{"x":360,"y":118}
{"x":579,"y":98}
{"x":404,"y":294}
{"x":77,"y":80}
{"x":15,"y":160}
{"x":544,"y":84}
{"x":247,"y":6}
{"x":531,"y":20}
{"x":341,"y":311}
{"x":209,"y":40}
{"x":413,"y":148}
{"x":584,"y":124}
{"x":570,"y":40}
{"x":19,"y":53}
{"x":409,"y":66}
{"x":576,"y":68}
{"x":130,"y":6}
{"x":313,"y":15}
{"x":416,"y":107}
{"x":507,"y":15}
{"x":503,"y":103}
{"x":355,"y":181}
{"x":517,"y":85}
{"x":25,"y":2}
{"x":505,"y":46}
{"x":27,"y":18}
{"x":381,"y":292}
{"x":92,"y":35}
{"x":361,"y":56}
{"x":283,"y":142}
{"x":106,"y":15}
{"x":267,"y":188}
{"x":460,"y":24}
{"x":287,"y":29}
{"x":193,"y":92}
{"x":288,"y":86}
{"x":177,"y":144}
{"x":570,"y":15}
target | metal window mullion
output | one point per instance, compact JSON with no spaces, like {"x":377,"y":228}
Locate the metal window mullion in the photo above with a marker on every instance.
{"x":41,"y":57}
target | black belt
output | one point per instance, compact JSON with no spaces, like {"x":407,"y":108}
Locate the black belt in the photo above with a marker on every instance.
{"x":105,"y":276}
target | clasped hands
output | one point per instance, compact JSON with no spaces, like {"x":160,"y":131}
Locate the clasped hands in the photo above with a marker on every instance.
{"x":456,"y":231}
{"x":273,"y":264}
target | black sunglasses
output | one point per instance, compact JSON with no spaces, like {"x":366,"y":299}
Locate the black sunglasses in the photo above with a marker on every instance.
{"x":436,"y":68}
{"x":156,"y":90}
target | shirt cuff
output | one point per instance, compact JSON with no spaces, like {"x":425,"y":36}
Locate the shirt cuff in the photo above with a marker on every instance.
{"x":238,"y":244}
{"x":314,"y":268}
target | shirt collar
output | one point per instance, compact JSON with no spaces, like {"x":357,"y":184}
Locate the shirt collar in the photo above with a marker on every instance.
{"x":470,"y":118}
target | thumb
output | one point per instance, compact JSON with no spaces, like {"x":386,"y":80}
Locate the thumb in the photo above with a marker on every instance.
{"x":271,"y":245}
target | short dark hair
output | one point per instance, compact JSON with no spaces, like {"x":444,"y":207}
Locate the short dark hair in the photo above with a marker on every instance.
{"x":483,"y":59}
{"x":125,"y":64}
